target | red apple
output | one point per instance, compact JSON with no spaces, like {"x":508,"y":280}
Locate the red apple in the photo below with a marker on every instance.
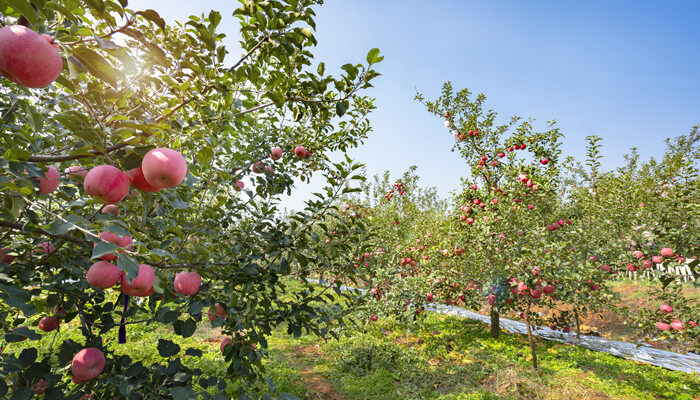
{"x":123,"y":242}
{"x":49,"y":183}
{"x":27,"y":58}
{"x":76,"y":171}
{"x":46,"y":248}
{"x":548,"y":289}
{"x":142,"y":285}
{"x":187,"y":283}
{"x":239,"y":186}
{"x":430,"y":297}
{"x":657,"y":259}
{"x":637,"y":254}
{"x":87,"y":364}
{"x":667,"y":252}
{"x":7,"y":259}
{"x":164,"y":168}
{"x":224,"y":342}
{"x":48,"y":324}
{"x":103,"y":274}
{"x":276,"y":153}
{"x":665,"y":308}
{"x":300,"y":151}
{"x":107,"y":182}
{"x":544,"y":161}
{"x":677,"y":325}
{"x":40,"y":386}
{"x":663,"y":326}
{"x":217,"y":311}
{"x":140,"y":181}
{"x":374,"y":318}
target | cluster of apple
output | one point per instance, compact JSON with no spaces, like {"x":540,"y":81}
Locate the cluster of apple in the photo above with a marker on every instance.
{"x":676,"y":324}
{"x":557,"y":224}
{"x":535,"y":289}
{"x":390,"y":194}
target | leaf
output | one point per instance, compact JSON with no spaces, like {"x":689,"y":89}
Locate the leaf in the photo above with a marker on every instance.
{"x":182,"y":393}
{"x":340,"y":108}
{"x":28,"y":356}
{"x":103,"y":248}
{"x":166,"y":348}
{"x":185,"y":328}
{"x":128,"y":264}
{"x":97,"y":65}
{"x":321,"y":68}
{"x":373,"y":56}
{"x":214,"y":18}
{"x":24,"y":8}
{"x":193,"y":352}
{"x":59,"y":228}
{"x":154,"y":17}
{"x":97,"y":5}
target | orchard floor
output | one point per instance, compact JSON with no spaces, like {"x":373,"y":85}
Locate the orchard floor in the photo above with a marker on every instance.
{"x":448,"y":358}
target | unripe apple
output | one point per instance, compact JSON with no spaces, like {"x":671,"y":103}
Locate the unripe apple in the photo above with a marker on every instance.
{"x":48,"y":324}
{"x":276,"y":153}
{"x":49,"y":183}
{"x":107,"y":182}
{"x":224,"y":342}
{"x":677,"y":325}
{"x":663,"y":326}
{"x":665,"y":308}
{"x":164,"y":168}
{"x":142,"y":285}
{"x":76,"y":172}
{"x":300,"y":151}
{"x":123,"y":242}
{"x":187,"y":283}
{"x":140,"y":181}
{"x":87,"y":364}
{"x":667,"y":252}
{"x":103,"y":274}
{"x":239,"y":185}
{"x":27,"y":58}
{"x":111,"y":209}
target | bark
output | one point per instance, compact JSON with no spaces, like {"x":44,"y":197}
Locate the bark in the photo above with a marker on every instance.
{"x":495,"y":323}
{"x":530,"y":338}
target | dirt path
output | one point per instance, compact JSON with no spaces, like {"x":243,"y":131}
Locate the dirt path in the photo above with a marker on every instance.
{"x":317,"y":384}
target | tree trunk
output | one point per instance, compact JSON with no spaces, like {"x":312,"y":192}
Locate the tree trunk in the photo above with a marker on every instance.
{"x":578,"y":326}
{"x":495,"y":323}
{"x":530,"y":338}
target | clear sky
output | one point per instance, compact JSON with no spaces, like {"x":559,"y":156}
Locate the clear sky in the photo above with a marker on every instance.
{"x":628,"y":71}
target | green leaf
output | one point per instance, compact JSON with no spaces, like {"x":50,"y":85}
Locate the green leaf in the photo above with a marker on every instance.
{"x":128,"y":264}
{"x":97,"y":5}
{"x":182,"y":393}
{"x":97,"y":65}
{"x":103,"y":248}
{"x":340,"y":108}
{"x":193,"y":352}
{"x":166,"y":348}
{"x":59,"y":227}
{"x":185,"y":328}
{"x":154,"y":17}
{"x":373,"y":56}
{"x":24,"y":8}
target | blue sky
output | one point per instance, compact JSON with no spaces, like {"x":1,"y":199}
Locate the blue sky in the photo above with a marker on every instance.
{"x":627,"y":71}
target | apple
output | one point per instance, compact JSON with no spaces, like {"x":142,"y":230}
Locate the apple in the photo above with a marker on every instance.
{"x":76,"y":171}
{"x":140,"y":181}
{"x":667,"y":252}
{"x":374,"y":318}
{"x":103,"y":274}
{"x":4,"y":257}
{"x":49,"y":183}
{"x":663,"y":326}
{"x":677,"y":325}
{"x":544,"y":161}
{"x":657,"y":259}
{"x":430,"y":297}
{"x":164,"y":168}
{"x":48,"y":324}
{"x":187,"y":283}
{"x":142,"y":285}
{"x":107,"y":182}
{"x":216,"y":311}
{"x":124,"y":242}
{"x":87,"y":364}
{"x":27,"y":58}
{"x":548,"y":289}
{"x":276,"y":153}
{"x":224,"y":342}
{"x":40,"y":386}
{"x":530,"y":207}
{"x":239,"y":185}
{"x":111,"y":209}
{"x":665,"y":308}
{"x":300,"y":151}
{"x":258,"y":167}
{"x":637,"y":254}
{"x":46,"y":248}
